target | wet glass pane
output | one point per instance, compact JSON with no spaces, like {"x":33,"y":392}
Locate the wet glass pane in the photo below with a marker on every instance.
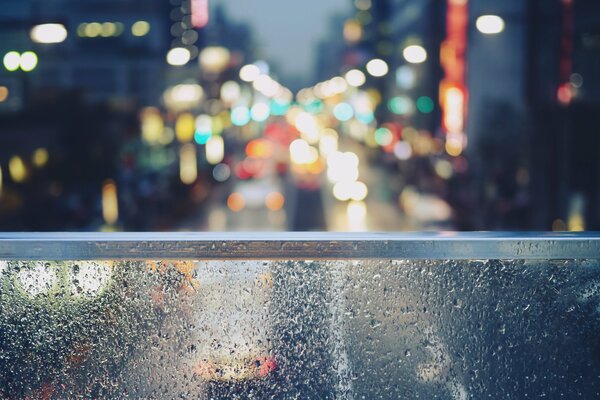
{"x":338,"y":329}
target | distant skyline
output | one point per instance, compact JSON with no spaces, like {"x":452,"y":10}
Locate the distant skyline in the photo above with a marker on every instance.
{"x":287,"y":32}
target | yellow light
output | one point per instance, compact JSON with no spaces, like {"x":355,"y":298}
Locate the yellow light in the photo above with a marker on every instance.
{"x":40,"y":157}
{"x":81,"y":29}
{"x":215,"y":150}
{"x":108,"y":29}
{"x":490,"y":24}
{"x":93,"y":29}
{"x":454,"y":144}
{"x":248,"y":73}
{"x":355,"y":78}
{"x":414,"y":54}
{"x":185,"y":127}
{"x":110,"y":203}
{"x":353,"y":31}
{"x":576,"y":223}
{"x":274,"y":201}
{"x":178,"y":56}
{"x":377,"y":67}
{"x":17,"y":169}
{"x":4,"y":92}
{"x":12,"y":60}
{"x":140,"y":28}
{"x":48,"y":33}
{"x":453,"y":106}
{"x":29,"y":61}
{"x":188,"y":164}
{"x":152,"y":125}
{"x":214,"y":59}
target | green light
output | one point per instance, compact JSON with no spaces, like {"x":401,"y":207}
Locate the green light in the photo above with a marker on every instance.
{"x":343,"y":112}
{"x":314,"y":107}
{"x":425,"y":104}
{"x":401,"y":105}
{"x":383,"y":136}
{"x":240,"y":116}
{"x":279,"y":107}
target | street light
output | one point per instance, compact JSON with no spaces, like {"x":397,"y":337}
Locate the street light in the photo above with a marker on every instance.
{"x":48,"y":33}
{"x":178,"y":56}
{"x":377,"y":67}
{"x":29,"y":61}
{"x":26,"y":61}
{"x":489,"y":24}
{"x":12,"y":60}
{"x":415,"y":54}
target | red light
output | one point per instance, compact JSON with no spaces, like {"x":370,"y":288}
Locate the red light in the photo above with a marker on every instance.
{"x":564,"y":93}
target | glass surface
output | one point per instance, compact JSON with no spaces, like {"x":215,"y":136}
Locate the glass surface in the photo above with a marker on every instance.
{"x":337,"y":329}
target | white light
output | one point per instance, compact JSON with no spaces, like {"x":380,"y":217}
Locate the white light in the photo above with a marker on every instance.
{"x":377,"y":67}
{"x":230,"y":92}
{"x":260,"y":112}
{"x":402,"y":150}
{"x":249,"y":73}
{"x":178,"y":56}
{"x":350,"y":190}
{"x":215,"y":150}
{"x":204,"y":123}
{"x":357,"y":215}
{"x":48,"y":33}
{"x":89,"y":278}
{"x":414,"y":54}
{"x":490,"y":24}
{"x":12,"y":60}
{"x":39,"y":278}
{"x":302,"y":153}
{"x":29,"y":61}
{"x":355,"y":78}
{"x":342,"y":167}
{"x":183,"y":96}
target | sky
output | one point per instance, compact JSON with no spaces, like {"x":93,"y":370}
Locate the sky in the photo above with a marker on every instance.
{"x":288,"y":30}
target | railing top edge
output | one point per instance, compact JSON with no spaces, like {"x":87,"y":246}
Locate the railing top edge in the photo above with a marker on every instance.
{"x":295,"y":236}
{"x":300,"y":245}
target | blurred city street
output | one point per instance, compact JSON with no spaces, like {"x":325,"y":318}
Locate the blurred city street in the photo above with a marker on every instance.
{"x":367,"y":116}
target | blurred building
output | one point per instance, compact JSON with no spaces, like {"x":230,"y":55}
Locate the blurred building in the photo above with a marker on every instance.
{"x":533,"y":100}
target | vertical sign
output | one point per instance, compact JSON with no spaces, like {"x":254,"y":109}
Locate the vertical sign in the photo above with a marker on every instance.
{"x":453,"y":91}
{"x":200,"y":13}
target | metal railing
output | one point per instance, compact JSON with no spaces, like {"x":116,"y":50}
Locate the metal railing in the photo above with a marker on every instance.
{"x":292,"y":246}
{"x":299,"y":315}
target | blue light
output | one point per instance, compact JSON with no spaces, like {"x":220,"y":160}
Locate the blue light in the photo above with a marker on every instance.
{"x":343,"y":112}
{"x":240,"y":116}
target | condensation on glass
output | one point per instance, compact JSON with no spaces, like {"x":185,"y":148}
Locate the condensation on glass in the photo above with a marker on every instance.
{"x":300,"y":329}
